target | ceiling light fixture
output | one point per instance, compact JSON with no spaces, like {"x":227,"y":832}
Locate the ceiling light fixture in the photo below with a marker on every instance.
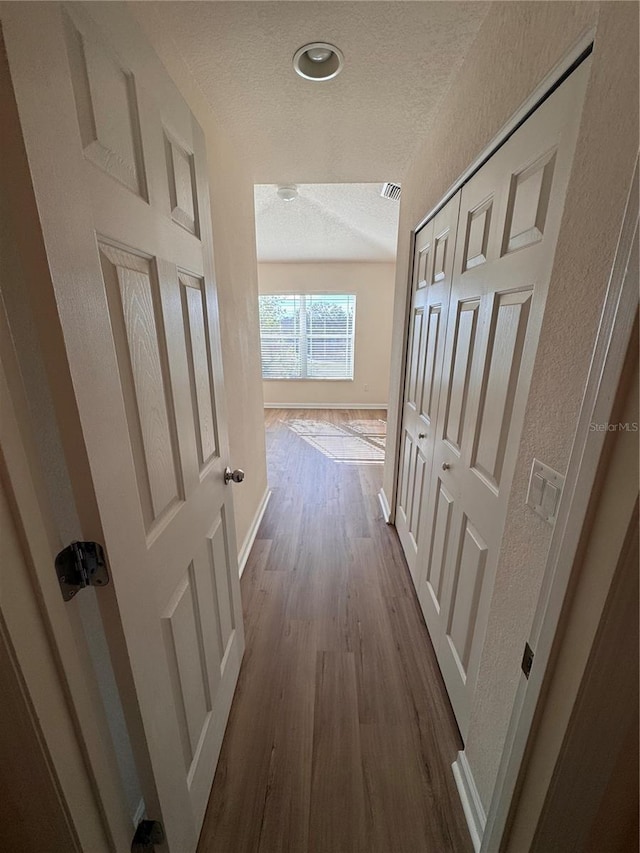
{"x":318,"y":61}
{"x":319,"y":54}
{"x":287,"y":192}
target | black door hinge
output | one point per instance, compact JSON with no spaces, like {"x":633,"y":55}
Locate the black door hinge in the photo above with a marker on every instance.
{"x":527,"y":660}
{"x":148,"y":833}
{"x":81,"y":564}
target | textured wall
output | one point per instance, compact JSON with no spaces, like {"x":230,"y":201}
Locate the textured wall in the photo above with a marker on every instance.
{"x":231,"y":187}
{"x":373,"y":285}
{"x":516,"y":47}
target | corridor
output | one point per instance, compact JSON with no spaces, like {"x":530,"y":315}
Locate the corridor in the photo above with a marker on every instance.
{"x":341,"y":737}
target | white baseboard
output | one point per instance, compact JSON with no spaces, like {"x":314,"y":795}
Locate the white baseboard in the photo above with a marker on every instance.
{"x":384,"y":503}
{"x":326,"y":406}
{"x":470,"y":799}
{"x":247,"y":545}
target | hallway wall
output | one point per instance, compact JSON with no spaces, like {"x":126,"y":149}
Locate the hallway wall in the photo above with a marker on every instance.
{"x":232,"y":213}
{"x":518,"y":44}
{"x":373,"y":284}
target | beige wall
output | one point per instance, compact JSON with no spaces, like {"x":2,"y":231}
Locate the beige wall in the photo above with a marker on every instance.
{"x":231,"y":187}
{"x":373,"y":285}
{"x":597,"y":628}
{"x":516,"y":47}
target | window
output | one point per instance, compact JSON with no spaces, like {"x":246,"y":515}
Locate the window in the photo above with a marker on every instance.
{"x":306,"y":336}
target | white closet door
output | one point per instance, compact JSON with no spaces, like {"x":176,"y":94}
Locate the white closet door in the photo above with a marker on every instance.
{"x":432,"y":271}
{"x":509,"y":220}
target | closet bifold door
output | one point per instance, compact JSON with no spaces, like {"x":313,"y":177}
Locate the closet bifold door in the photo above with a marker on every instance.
{"x":510,"y":213}
{"x":431,"y":286}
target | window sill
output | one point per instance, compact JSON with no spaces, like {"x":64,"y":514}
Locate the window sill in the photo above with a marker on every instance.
{"x":307,"y":379}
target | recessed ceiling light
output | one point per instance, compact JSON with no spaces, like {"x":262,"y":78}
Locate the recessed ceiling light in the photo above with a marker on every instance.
{"x":318,"y":61}
{"x":287,"y":192}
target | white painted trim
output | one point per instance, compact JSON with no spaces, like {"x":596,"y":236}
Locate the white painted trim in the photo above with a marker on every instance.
{"x":326,"y":406}
{"x":470,"y":799}
{"x":140,"y":813}
{"x":384,"y":503}
{"x":397,"y":446}
{"x":610,"y":350}
{"x":247,"y":545}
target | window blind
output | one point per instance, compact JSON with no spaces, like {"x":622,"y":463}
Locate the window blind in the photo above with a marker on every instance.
{"x":307,"y":336}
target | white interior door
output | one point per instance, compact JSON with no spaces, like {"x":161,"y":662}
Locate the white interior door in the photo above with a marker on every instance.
{"x":131,"y":330}
{"x":510,"y":215}
{"x":431,"y":286}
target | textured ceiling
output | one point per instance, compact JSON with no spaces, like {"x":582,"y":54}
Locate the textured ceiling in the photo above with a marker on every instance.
{"x":327,"y":222}
{"x":362,"y":126}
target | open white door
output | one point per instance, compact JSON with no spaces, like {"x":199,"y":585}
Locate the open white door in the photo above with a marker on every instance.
{"x":130,"y":330}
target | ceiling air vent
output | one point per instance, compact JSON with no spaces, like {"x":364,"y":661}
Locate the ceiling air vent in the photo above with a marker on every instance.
{"x":390,"y":190}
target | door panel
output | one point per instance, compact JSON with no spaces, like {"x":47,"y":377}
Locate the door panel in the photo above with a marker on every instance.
{"x":106,"y":102}
{"x":429,"y":360}
{"x":467,"y":575}
{"x":460,"y":360}
{"x":416,"y":498}
{"x":200,"y":375}
{"x":528,"y":204}
{"x":440,"y":524}
{"x":502,"y":369}
{"x":510,"y":215}
{"x":433,"y":265}
{"x":182,"y":185}
{"x":119,"y":173}
{"x":415,"y":362}
{"x":131,"y":286}
{"x":183,"y":636}
{"x":477,"y":234}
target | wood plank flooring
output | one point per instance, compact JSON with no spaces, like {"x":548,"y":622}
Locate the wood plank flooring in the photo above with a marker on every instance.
{"x":341,"y":737}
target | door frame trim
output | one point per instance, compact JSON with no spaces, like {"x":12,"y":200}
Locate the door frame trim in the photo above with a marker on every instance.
{"x":21,"y":472}
{"x":582,"y":48}
{"x":103,"y":811}
{"x":609,"y":354}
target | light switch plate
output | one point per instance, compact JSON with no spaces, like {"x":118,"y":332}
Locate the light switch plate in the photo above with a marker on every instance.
{"x":545,"y":489}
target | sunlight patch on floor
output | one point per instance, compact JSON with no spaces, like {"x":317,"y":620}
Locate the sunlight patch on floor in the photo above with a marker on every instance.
{"x":359,"y":442}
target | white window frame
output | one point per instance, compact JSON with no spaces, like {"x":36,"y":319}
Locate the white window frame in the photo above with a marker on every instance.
{"x":305,"y":301}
